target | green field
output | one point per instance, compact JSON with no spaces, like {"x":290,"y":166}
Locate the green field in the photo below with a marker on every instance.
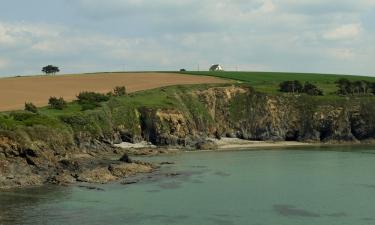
{"x":268,"y":82}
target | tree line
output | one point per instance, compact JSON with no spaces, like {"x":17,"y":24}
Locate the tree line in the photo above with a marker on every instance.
{"x":359,"y":87}
{"x":296,"y":86}
{"x":345,"y":87}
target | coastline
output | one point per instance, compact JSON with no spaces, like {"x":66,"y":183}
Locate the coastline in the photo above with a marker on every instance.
{"x":231,"y":144}
{"x":102,"y":167}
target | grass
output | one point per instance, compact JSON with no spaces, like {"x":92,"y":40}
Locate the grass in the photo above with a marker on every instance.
{"x":268,"y":82}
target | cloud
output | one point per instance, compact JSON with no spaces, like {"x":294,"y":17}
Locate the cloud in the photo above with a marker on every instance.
{"x":3,"y":63}
{"x":277,"y":35}
{"x":344,"y":32}
{"x":342,"y":53}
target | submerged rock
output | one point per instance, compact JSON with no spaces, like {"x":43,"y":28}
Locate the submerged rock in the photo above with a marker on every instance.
{"x":125,"y":158}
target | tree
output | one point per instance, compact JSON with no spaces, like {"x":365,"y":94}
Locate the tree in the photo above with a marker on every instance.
{"x":312,"y":89}
{"x":291,"y":86}
{"x":344,"y":85}
{"x":364,"y":86}
{"x":373,"y":87}
{"x":30,"y":107}
{"x":347,"y":87}
{"x":50,"y":69}
{"x":57,"y":103}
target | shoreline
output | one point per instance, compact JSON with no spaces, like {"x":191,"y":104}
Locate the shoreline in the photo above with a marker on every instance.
{"x":107,"y":168}
{"x":233,"y":144}
{"x":236,"y":143}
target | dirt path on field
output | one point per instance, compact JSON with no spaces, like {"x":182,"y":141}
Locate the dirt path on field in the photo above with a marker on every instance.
{"x":15,"y":91}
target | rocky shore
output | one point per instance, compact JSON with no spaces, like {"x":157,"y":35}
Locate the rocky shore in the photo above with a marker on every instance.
{"x":77,"y":168}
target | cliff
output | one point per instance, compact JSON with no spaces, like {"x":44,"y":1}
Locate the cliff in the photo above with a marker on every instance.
{"x":64,"y":147}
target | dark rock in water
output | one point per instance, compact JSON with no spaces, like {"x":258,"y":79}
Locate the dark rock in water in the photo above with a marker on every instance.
{"x":125,"y":158}
{"x":91,"y":188}
{"x":166,"y":163}
{"x":172,"y":174}
{"x":129,"y":182}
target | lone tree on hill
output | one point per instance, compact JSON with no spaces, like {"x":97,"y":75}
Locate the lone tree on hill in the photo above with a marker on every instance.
{"x":50,"y":69}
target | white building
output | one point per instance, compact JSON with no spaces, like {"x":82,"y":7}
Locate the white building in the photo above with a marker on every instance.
{"x":216,"y":67}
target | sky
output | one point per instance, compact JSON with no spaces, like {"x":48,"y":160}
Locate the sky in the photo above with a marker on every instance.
{"x":326,"y":36}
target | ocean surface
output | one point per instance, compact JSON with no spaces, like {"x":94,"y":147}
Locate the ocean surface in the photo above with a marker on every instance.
{"x":261,"y":187}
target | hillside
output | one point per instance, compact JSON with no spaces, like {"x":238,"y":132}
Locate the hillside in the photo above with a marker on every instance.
{"x":15,"y":91}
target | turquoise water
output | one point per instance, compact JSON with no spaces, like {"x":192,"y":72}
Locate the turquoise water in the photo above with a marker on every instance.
{"x":289,"y":187}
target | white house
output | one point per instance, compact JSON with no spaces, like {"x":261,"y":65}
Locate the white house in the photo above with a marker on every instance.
{"x":216,"y":67}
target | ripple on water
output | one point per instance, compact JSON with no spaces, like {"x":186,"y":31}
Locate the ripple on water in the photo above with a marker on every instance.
{"x":170,"y":185}
{"x":221,"y":174}
{"x":290,"y":210}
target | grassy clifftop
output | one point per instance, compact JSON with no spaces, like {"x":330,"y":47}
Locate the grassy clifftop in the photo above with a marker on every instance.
{"x":268,"y":81}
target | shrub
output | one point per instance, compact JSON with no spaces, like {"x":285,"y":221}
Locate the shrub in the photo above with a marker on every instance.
{"x":312,"y":89}
{"x":57,"y":103}
{"x":21,"y":115}
{"x":30,"y":107}
{"x":119,"y":91}
{"x":88,"y":106}
{"x":91,"y":100}
{"x":182,"y":70}
{"x":291,"y":86}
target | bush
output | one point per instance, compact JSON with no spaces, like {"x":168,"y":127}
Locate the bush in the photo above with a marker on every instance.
{"x":312,"y":89}
{"x":373,"y":87}
{"x":182,"y":70}
{"x":119,"y":91}
{"x":30,"y":107}
{"x":88,"y":106}
{"x":57,"y":103}
{"x":21,"y":115}
{"x":91,"y":100}
{"x":291,"y":86}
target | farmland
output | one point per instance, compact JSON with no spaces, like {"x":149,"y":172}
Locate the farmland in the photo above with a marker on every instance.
{"x":15,"y":91}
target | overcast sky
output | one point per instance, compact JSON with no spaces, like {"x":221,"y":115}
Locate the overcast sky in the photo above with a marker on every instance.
{"x":330,"y":36}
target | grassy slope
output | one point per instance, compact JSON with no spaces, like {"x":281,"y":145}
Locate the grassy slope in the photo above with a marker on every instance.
{"x":268,"y":81}
{"x":117,"y":112}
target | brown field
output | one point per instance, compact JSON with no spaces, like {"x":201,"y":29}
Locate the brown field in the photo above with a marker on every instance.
{"x":15,"y":91}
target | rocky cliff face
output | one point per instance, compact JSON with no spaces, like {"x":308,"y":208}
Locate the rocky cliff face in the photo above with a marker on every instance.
{"x":240,"y":112}
{"x":39,"y":154}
